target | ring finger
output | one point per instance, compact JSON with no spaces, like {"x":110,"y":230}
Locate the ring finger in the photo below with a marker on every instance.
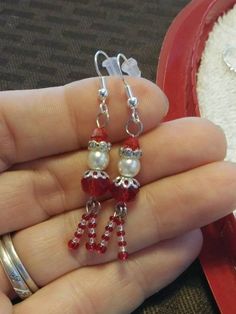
{"x":164,"y":209}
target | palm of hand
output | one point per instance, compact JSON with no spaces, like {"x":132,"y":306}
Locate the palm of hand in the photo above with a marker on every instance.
{"x":185,"y":185}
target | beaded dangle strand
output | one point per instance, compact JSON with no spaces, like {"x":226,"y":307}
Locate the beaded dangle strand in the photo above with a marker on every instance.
{"x":95,"y":181}
{"x":125,"y":187}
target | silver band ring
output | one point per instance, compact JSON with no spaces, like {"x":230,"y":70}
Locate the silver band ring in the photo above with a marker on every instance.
{"x":7,"y":241}
{"x":12,"y":273}
{"x":19,"y":278}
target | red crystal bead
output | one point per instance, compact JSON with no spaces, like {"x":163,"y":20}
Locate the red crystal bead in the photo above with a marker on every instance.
{"x":132,"y":142}
{"x":122,"y":194}
{"x":91,"y":246}
{"x":123,"y":256}
{"x":101,"y":249}
{"x":99,"y":135}
{"x":95,"y":186}
{"x":73,"y":245}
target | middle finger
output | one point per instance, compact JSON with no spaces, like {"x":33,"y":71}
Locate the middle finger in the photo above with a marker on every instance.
{"x":50,"y":186}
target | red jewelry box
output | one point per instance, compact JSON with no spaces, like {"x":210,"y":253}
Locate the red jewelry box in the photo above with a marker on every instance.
{"x":176,"y":75}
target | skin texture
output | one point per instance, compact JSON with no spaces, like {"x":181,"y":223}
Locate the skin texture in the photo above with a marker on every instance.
{"x":185,"y":185}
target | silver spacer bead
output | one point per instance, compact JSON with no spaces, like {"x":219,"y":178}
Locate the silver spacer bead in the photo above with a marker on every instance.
{"x":107,"y":233}
{"x":127,"y":152}
{"x":120,"y":228}
{"x":102,"y":146}
{"x":103,"y":93}
{"x":133,"y":102}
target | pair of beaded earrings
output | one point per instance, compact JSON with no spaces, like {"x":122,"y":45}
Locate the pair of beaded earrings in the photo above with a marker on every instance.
{"x":96,"y":181}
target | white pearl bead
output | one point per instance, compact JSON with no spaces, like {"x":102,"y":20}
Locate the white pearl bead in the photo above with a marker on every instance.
{"x":98,"y":160}
{"x":129,"y":167}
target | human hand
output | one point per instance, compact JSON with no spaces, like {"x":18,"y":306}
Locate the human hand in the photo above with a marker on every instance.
{"x":185,"y":185}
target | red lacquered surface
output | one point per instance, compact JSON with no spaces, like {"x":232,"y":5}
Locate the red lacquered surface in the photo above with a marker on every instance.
{"x":176,"y":75}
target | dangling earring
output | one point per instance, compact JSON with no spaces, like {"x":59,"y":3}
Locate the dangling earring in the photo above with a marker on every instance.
{"x":125,"y":187}
{"x":95,"y":181}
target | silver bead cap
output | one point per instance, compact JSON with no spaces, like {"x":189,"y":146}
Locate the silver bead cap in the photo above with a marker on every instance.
{"x":95,"y":174}
{"x":126,"y":182}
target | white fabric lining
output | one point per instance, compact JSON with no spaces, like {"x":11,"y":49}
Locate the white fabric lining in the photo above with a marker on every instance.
{"x":216,"y":84}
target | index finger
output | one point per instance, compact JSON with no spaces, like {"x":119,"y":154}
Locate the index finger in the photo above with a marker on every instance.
{"x":44,"y":122}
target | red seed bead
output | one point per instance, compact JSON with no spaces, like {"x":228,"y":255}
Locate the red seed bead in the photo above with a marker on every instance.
{"x":120,"y":221}
{"x":85,"y":216}
{"x":108,"y":228}
{"x":92,"y":235}
{"x":120,"y":233}
{"x":112,"y":218}
{"x":101,"y":249}
{"x":132,"y":142}
{"x":95,"y":186}
{"x":91,"y":225}
{"x":122,"y":243}
{"x":105,"y":237}
{"x":99,"y":135}
{"x":81,"y":226}
{"x":77,"y":234}
{"x":123,"y":256}
{"x":73,"y":245}
{"x":91,"y":246}
{"x":122,"y":194}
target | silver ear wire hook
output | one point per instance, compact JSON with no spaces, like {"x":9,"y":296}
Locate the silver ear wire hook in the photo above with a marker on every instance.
{"x":103,"y":92}
{"x":121,"y":55}
{"x":132,"y":101}
{"x":103,"y":115}
{"x":99,"y":52}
